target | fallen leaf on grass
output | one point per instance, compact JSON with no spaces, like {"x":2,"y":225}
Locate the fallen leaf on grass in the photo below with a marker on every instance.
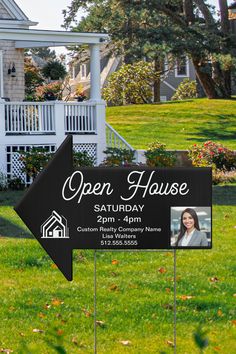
{"x":162,"y":270}
{"x":36,"y":330}
{"x":7,"y":351}
{"x":214,"y":279}
{"x":100,"y":323}
{"x":233,"y":322}
{"x":168,"y":306}
{"x":168,"y":290}
{"x":22,"y":334}
{"x":113,"y":287}
{"x":86,"y":312}
{"x":125,"y":342}
{"x":57,"y":302}
{"x":75,"y":341}
{"x":220,"y":313}
{"x":41,"y":315}
{"x":47,"y":306}
{"x":170,"y":343}
{"x":60,"y":332}
{"x":186,"y":297}
{"x":54,"y":266}
{"x":217,"y":349}
{"x":114,"y":261}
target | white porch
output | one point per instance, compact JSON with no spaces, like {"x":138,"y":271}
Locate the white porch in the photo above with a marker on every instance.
{"x":46,"y":124}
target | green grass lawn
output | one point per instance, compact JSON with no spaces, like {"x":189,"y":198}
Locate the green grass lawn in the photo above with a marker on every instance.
{"x":40,"y":309}
{"x":177,"y":124}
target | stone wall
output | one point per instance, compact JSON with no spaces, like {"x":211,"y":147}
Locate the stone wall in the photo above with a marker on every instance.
{"x":14,"y":87}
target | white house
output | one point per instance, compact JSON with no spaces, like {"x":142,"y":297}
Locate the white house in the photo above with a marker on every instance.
{"x":46,"y":124}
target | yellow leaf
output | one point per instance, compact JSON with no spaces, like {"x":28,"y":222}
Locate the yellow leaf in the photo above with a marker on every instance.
{"x":125,"y":342}
{"x":214,"y":279}
{"x":57,"y":302}
{"x":100,"y":323}
{"x":36,"y":330}
{"x":233,"y":322}
{"x":219,"y":313}
{"x":186,"y":297}
{"x":170,"y":343}
{"x":114,"y":261}
{"x":41,"y":315}
{"x":113,"y":287}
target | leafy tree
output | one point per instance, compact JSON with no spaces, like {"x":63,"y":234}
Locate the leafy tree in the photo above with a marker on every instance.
{"x":132,"y":83}
{"x":43,"y":52}
{"x":186,"y":89}
{"x":33,"y":79}
{"x":55,"y":70}
{"x":150,"y":29}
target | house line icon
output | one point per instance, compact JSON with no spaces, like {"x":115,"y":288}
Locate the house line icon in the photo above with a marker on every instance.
{"x":55,"y":227}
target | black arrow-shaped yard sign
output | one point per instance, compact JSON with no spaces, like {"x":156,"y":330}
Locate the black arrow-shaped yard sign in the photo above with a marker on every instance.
{"x":109,"y":208}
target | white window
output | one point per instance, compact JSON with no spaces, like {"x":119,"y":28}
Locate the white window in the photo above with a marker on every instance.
{"x":83,"y":71}
{"x":182,"y":67}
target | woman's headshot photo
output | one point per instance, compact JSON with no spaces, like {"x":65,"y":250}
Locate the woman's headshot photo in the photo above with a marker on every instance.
{"x":191,"y":227}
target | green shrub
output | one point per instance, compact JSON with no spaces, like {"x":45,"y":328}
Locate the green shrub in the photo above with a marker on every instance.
{"x":82,"y":159}
{"x":54,"y":70}
{"x":131,"y":84}
{"x":213,"y":155}
{"x":3,"y":181}
{"x":34,"y":161}
{"x":186,"y":89}
{"x":16,"y":184}
{"x":118,"y":157}
{"x":157,"y":156}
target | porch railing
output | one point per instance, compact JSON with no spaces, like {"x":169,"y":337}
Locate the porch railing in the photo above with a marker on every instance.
{"x":44,"y":117}
{"x":29,"y":118}
{"x":114,"y":139}
{"x":80,"y":118}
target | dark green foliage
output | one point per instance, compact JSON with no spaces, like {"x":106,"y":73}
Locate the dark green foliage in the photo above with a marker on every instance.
{"x":54,"y":70}
{"x":82,"y":159}
{"x":152,"y":29}
{"x":16,"y":184}
{"x":118,"y":157}
{"x":157,"y":156}
{"x":34,"y":160}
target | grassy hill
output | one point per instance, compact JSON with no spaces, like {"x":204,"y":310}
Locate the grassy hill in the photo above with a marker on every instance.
{"x":177,"y":124}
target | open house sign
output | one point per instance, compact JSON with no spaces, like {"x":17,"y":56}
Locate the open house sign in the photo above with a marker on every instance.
{"x":116,"y":208}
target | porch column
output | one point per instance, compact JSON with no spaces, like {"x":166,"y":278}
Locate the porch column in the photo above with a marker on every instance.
{"x":95,"y":74}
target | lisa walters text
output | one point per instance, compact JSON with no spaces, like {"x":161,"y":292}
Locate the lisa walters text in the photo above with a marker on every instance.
{"x":76,"y":187}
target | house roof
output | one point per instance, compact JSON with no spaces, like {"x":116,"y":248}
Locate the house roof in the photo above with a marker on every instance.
{"x":11,"y":16}
{"x":27,"y":38}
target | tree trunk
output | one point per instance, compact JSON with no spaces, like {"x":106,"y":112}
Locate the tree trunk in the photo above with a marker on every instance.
{"x":157,"y":82}
{"x":205,"y":79}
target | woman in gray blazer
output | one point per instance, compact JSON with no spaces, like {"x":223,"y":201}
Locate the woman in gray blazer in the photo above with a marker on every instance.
{"x":190,"y":234}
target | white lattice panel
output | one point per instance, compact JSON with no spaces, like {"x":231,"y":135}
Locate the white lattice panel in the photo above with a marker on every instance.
{"x":90,"y":148}
{"x":14,"y":165}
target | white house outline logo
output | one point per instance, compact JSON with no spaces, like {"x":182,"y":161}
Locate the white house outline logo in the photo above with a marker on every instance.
{"x":55,"y":227}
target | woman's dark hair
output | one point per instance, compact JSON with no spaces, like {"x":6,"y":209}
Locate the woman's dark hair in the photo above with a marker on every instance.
{"x":193,"y":213}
